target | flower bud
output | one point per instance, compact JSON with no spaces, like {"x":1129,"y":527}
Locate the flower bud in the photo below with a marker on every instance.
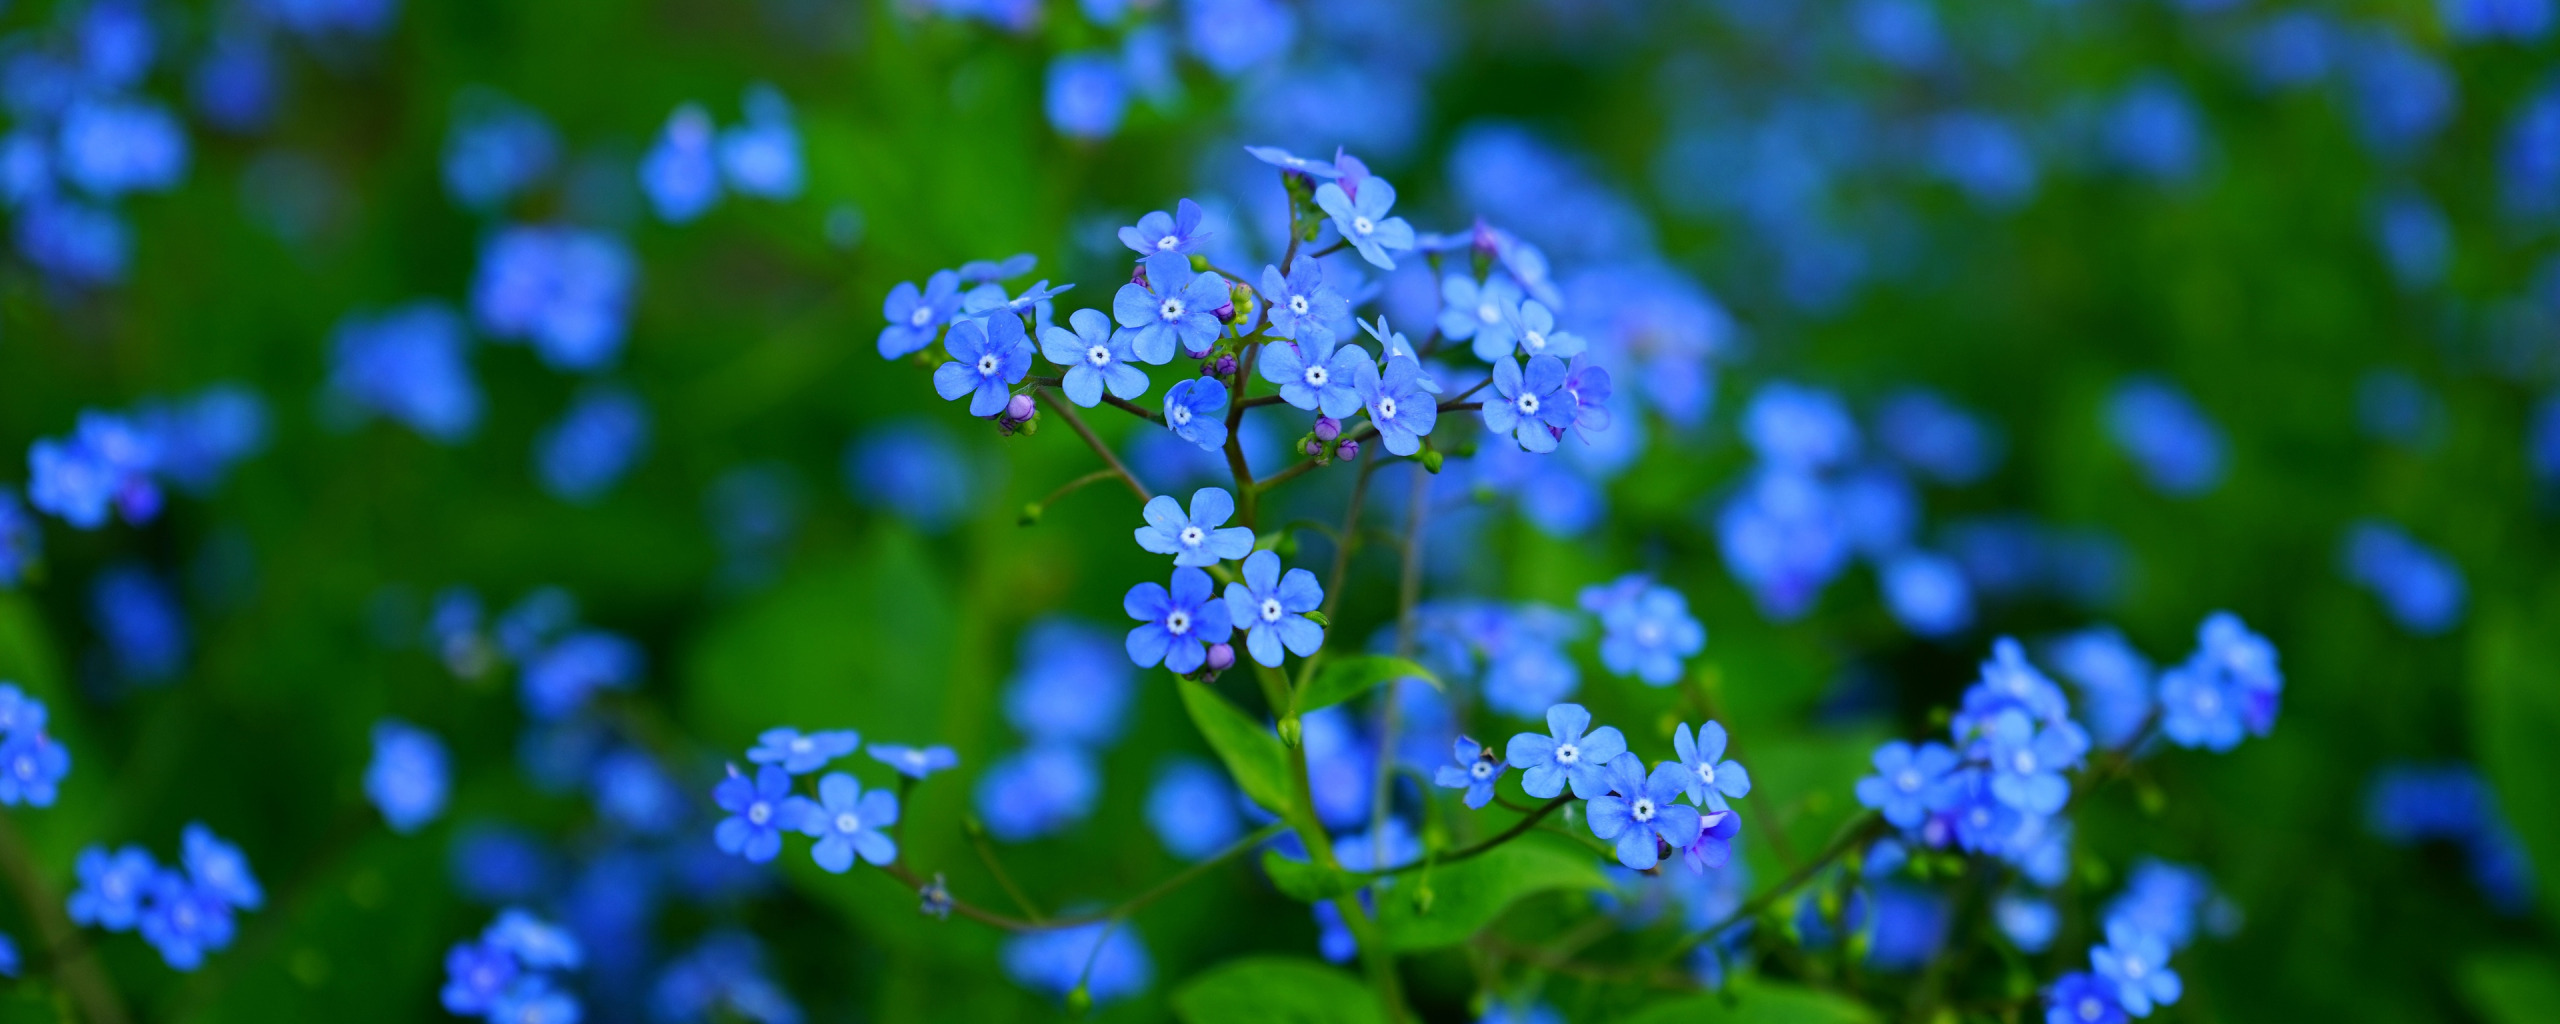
{"x":1079,"y":1001}
{"x":1139,"y":276}
{"x":1431,"y":459}
{"x":1221,"y":657}
{"x":1019,"y":409}
{"x":1226,"y":366}
{"x":1328,"y":428}
{"x":1227,"y":313}
{"x":1313,"y":447}
{"x":1348,"y":451}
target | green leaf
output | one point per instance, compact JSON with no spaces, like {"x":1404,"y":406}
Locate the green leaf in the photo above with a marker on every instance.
{"x":1304,"y":881}
{"x":1344,"y":678}
{"x":1757,"y":1004}
{"x":1276,"y":990}
{"x":1253,"y":755}
{"x":2512,"y":988}
{"x":1470,"y":894}
{"x":2515,"y":710}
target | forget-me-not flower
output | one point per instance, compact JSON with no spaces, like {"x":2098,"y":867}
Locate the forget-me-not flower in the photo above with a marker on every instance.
{"x":1535,"y":327}
{"x":2138,"y":963}
{"x":1713,"y":777}
{"x":1640,"y":815}
{"x":1363,"y":221}
{"x":1195,"y":409}
{"x":1483,"y":312}
{"x":2082,"y":998}
{"x":184,"y":920}
{"x":1533,"y":406}
{"x":762,"y":156}
{"x":680,"y":174}
{"x":1571,"y":751}
{"x":1095,"y":356}
{"x":1157,"y":232}
{"x":1176,"y":625}
{"x":1271,"y":609}
{"x":217,"y":867}
{"x":915,"y":762}
{"x":2027,"y":762}
{"x":916,"y":315}
{"x":409,"y":776}
{"x":1479,"y":767}
{"x":847,"y":821}
{"x":1713,"y":848}
{"x":988,"y":356}
{"x":1174,"y":304}
{"x":1399,"y":401}
{"x":1301,"y":305}
{"x":32,"y":765}
{"x":112,"y":886}
{"x":801,"y":754}
{"x":1314,"y":375}
{"x":758,"y":811}
{"x":477,"y":975}
{"x":1647,"y":634}
{"x":1910,"y":782}
{"x":2197,"y":710}
{"x":1199,"y":538}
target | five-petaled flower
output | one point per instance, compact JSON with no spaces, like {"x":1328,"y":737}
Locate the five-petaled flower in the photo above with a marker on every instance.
{"x":1095,"y":357}
{"x":1200,"y":538}
{"x":1158,"y":232}
{"x":1483,"y":312}
{"x":1712,"y":777}
{"x":1533,"y":406}
{"x":1272,"y":609}
{"x":1174,"y":304}
{"x":1314,"y":375}
{"x":989,"y":355}
{"x":1301,"y":304}
{"x":1640,"y":813}
{"x":1910,"y":782}
{"x":759,"y":808}
{"x":1566,"y":754}
{"x":801,"y":754}
{"x":2138,"y":963}
{"x":847,"y":821}
{"x":915,"y":317}
{"x":1477,"y":770}
{"x":1399,"y":402}
{"x":1363,"y":219}
{"x":1195,"y":409}
{"x":1177,"y":625}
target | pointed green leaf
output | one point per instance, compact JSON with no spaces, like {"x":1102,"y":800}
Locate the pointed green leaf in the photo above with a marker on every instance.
{"x":1758,"y":1004}
{"x":1470,"y":894}
{"x":1304,"y":881}
{"x":1341,"y":679}
{"x":2515,"y":710}
{"x":1276,"y":990}
{"x":1252,"y":753}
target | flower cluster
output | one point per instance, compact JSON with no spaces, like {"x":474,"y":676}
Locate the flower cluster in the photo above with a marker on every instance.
{"x":185,"y":914}
{"x":1634,"y":809}
{"x":561,"y":665}
{"x":113,"y":464}
{"x":511,"y":973}
{"x":84,"y":137}
{"x":846,"y":821}
{"x":2162,"y":909}
{"x":2408,"y":804}
{"x":32,"y":764}
{"x":1069,"y":698}
{"x":683,"y":174}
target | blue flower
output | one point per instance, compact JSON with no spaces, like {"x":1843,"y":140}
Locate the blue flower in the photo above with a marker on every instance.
{"x":681,"y":174}
{"x":219,"y":870}
{"x":1073,"y":684}
{"x":1193,"y":809}
{"x":32,"y":766}
{"x":759,"y":810}
{"x":1399,"y":401}
{"x":409,"y":776}
{"x":1640,"y":815}
{"x":2198,"y":710}
{"x":184,"y":921}
{"x":1177,"y":625}
{"x":1196,"y":539}
{"x":21,"y":540}
{"x":497,"y":149}
{"x":1037,"y":792}
{"x":916,"y":317}
{"x":2178,"y":448}
{"x":558,"y":680}
{"x":1566,"y":754}
{"x":477,"y":975}
{"x":913,"y":468}
{"x":1170,"y":303}
{"x":535,"y":1003}
{"x":762,"y":156}
{"x":145,"y":628}
{"x":1334,"y":940}
{"x":1936,"y":437}
{"x":1107,"y":960}
{"x":915,"y":762}
{"x":1157,"y":232}
{"x":1713,"y":777}
{"x":1647,"y":628}
{"x":411,"y":365}
{"x":988,"y":356}
{"x":2008,"y":681}
{"x":1287,"y":161}
{"x":1800,"y":427}
{"x":1272,"y":608}
{"x":848,"y":821}
{"x":73,"y":243}
{"x":1534,"y":406}
{"x":1314,"y":375}
{"x":567,"y":290}
{"x":1927,"y":592}
{"x":1301,"y":305}
{"x":595,"y":443}
{"x":112,"y":146}
{"x":1195,"y":409}
{"x":2028,"y":922}
{"x":1095,"y":357}
{"x":1087,"y":95}
{"x":112,"y":886}
{"x":2137,"y":963}
{"x":1392,"y":344}
{"x":2421,"y":588}
{"x":1712,"y":849}
{"x":1535,"y":325}
{"x":801,"y":754}
{"x":2027,"y":762}
{"x":106,"y":464}
{"x":1362,"y":219}
{"x":2246,"y":662}
{"x":2082,"y":998}
{"x":1910,"y":782}
{"x":535,"y":943}
{"x":1477,"y":770}
{"x":1485,"y":312}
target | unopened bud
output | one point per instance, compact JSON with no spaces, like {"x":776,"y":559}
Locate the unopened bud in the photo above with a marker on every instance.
{"x":1031,"y":513}
{"x":1290,"y":730}
{"x":1226,"y":366}
{"x":1139,"y":276}
{"x":1431,"y":459}
{"x":1019,"y":409}
{"x":1328,"y":428}
{"x":1347,"y":451}
{"x":1079,"y":1001}
{"x":1199,"y":262}
{"x":1221,"y":657}
{"x":1313,"y":447}
{"x":1227,"y":313}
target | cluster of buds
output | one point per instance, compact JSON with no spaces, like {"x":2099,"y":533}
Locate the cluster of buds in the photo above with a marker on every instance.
{"x":1323,"y":446}
{"x":1222,"y":366}
{"x":1019,"y":415}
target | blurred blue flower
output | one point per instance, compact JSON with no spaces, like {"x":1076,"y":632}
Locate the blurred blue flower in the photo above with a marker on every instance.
{"x":558,"y":681}
{"x":2293,"y":47}
{"x":801,"y":753}
{"x":1071,"y":684}
{"x":184,"y":920}
{"x":320,"y":19}
{"x":723,"y":978}
{"x":2137,"y":963}
{"x":1782,"y":536}
{"x":565,"y":290}
{"x":1231,"y":36}
{"x":2421,"y":588}
{"x":681,"y":172}
{"x":197,"y":440}
{"x":1927,"y":593}
{"x":218,"y":869}
{"x":1980,"y":153}
{"x":633,"y":792}
{"x":2482,"y":20}
{"x":2114,"y":681}
{"x":235,"y":84}
{"x":1910,"y":782}
{"x":1485,"y":312}
{"x":2542,"y":441}
{"x":914,"y":468}
{"x":2029,"y":922}
{"x":761,"y":157}
{"x":1908,"y":926}
{"x":145,"y":630}
{"x":1087,"y":96}
{"x":112,"y":886}
{"x":1193,"y":809}
{"x":74,"y":243}
{"x":2152,"y":129}
{"x":109,"y":147}
{"x":106,"y":464}
{"x":1647,"y":631}
{"x":499,"y":864}
{"x":598,"y":440}
{"x":1941,"y":440}
{"x":496,"y":150}
{"x":2027,"y":762}
{"x":1106,"y":959}
{"x":1037,"y":792}
{"x":2178,"y":448}
{"x":915,"y":762}
{"x":2400,"y":96}
{"x":2416,"y":242}
{"x":409,"y":776}
{"x":410,"y":365}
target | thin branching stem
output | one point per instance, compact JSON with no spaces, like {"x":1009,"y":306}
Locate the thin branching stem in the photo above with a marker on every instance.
{"x":1076,"y":423}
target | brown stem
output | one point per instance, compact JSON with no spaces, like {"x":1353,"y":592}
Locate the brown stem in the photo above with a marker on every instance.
{"x":1134,"y":409}
{"x":1517,"y":829}
{"x":1247,"y":505}
{"x":1068,"y":413}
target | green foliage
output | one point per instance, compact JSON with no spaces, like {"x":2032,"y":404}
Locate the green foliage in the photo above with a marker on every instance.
{"x":1276,"y":990}
{"x":2515,"y":719}
{"x":1763,"y":1003}
{"x":2512,"y":987}
{"x":1341,"y":679}
{"x":1307,"y":882}
{"x":1467,"y":895}
{"x":1253,"y":754}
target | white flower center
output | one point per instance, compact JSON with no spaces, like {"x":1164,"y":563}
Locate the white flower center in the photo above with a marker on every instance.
{"x":1363,"y":225}
{"x":2134,"y":968}
{"x":1482,"y":769}
{"x":1167,"y":243}
{"x":1908,"y":781}
{"x":1298,"y":304}
{"x":1316,"y":376}
{"x":1567,"y":753}
{"x":2207,"y":702}
{"x":1178,"y":623}
{"x":1386,"y":408}
{"x":1528,"y":405}
{"x":1488,"y":312}
{"x":1181,"y":414}
{"x":1707,"y":773}
{"x":1170,"y":310}
{"x":1537,"y":342}
{"x":800,"y":744}
{"x":922,"y":316}
{"x":1098,"y":356}
{"x":1193,"y":535}
{"x":2091,"y":1009}
{"x":2023,"y":762}
{"x":847,"y":823}
{"x":1648,"y":632}
{"x":1271,"y":609}
{"x":1643,"y":809}
{"x":987,"y":365}
{"x":759,"y":812}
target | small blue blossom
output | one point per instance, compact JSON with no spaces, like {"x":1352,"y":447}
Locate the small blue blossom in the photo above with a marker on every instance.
{"x":145,"y":628}
{"x":566,"y":290}
{"x":1571,"y":751}
{"x":1535,"y":326}
{"x":1478,"y":769}
{"x":681,"y":174}
{"x":1301,"y":305}
{"x":1095,"y":357}
{"x":219,"y":870}
{"x":915,"y":762}
{"x":2082,"y":998}
{"x":1399,"y":401}
{"x":1170,"y":303}
{"x":1200,"y":538}
{"x":1179,"y":232}
{"x":1647,"y":629}
{"x":1486,"y":312}
{"x":1287,"y":161}
{"x":916,"y":315}
{"x":1195,"y":409}
{"x":1712,"y":848}
{"x":534,"y":942}
{"x":1272,"y":608}
{"x":1392,"y":344}
{"x":1193,"y":809}
{"x":2198,"y":710}
{"x":1106,"y":959}
{"x":411,"y":365}
{"x":2419,"y":587}
{"x":1937,"y":438}
{"x":2179,"y":449}
{"x":477,"y":975}
{"x":409,"y":777}
{"x":1314,"y":375}
{"x":1714,"y":778}
{"x":1927,"y":593}
{"x":1177,"y":625}
{"x":988,"y":356}
{"x":536,"y":1003}
{"x":847,"y":821}
{"x":1037,"y":792}
{"x":1910,"y":782}
{"x":496,"y":149}
{"x":914,"y":468}
{"x":1072,"y":686}
{"x":758,"y":810}
{"x":2008,"y":681}
{"x":2137,"y":962}
{"x":2244,"y":661}
{"x":112,"y":887}
{"x":1587,"y":384}
{"x":761,"y":157}
{"x":2027,"y":762}
{"x":105,"y":465}
{"x":1087,"y":95}
{"x":1640,"y":815}
{"x":109,"y":147}
{"x":800,"y":754}
{"x":1362,"y":219}
{"x":184,"y":920}
{"x":1533,"y":407}
{"x":32,"y":766}
{"x":21,"y":540}
{"x":557,"y":681}
{"x":595,"y":443}
{"x":1800,"y":427}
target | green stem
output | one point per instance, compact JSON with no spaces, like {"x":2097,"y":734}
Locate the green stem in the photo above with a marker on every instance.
{"x":1517,"y":829}
{"x":987,"y":856}
{"x":1068,"y":413}
{"x":72,"y":961}
{"x":1247,"y":505}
